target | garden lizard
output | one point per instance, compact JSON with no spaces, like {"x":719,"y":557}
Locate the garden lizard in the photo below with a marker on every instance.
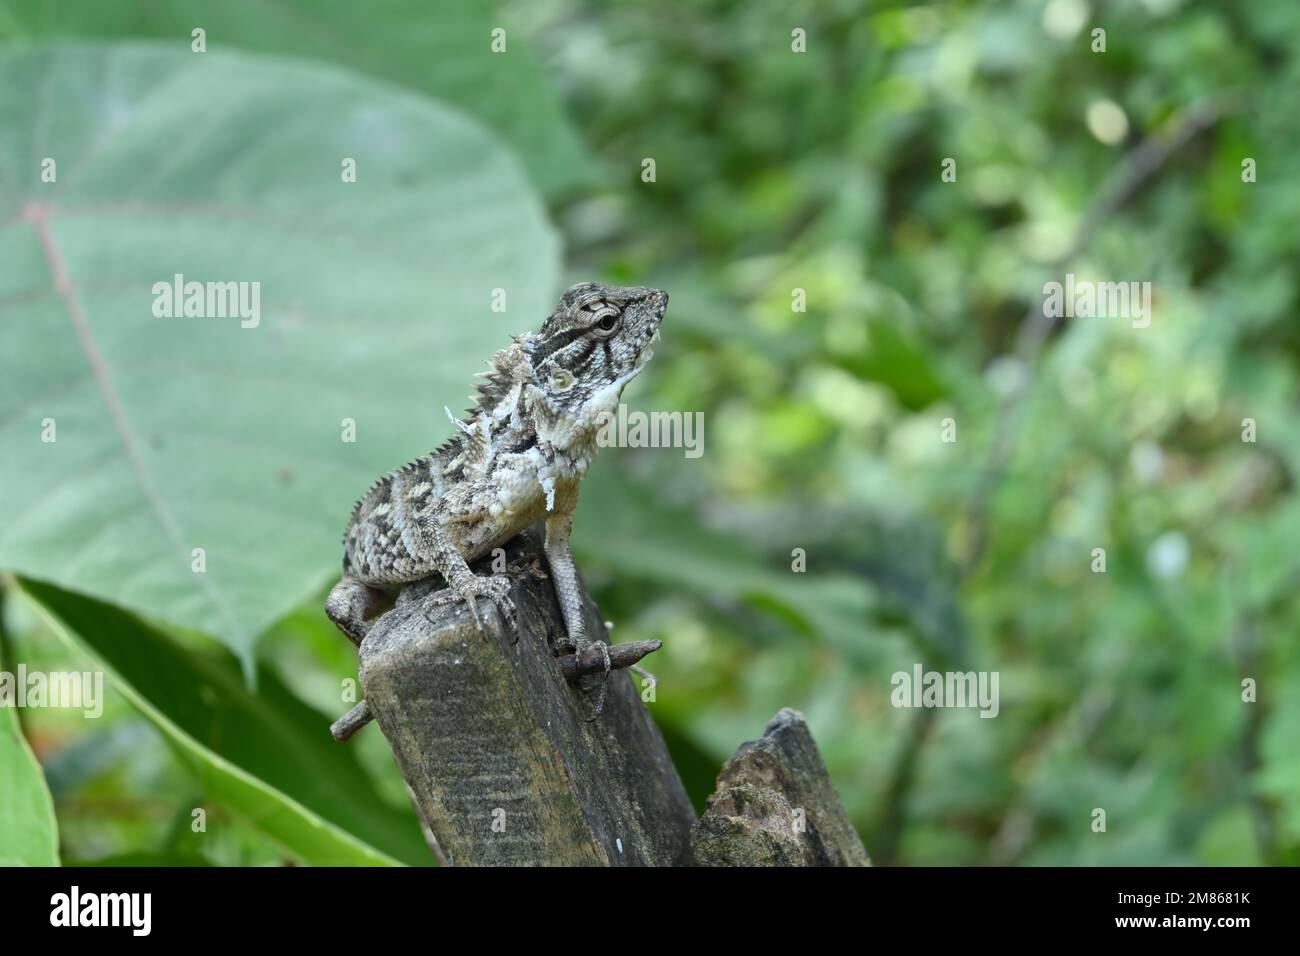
{"x":516,"y":458}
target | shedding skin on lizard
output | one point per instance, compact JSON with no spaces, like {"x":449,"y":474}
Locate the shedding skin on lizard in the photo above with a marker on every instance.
{"x":516,"y":458}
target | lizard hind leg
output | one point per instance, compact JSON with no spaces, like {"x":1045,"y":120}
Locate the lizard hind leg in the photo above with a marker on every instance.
{"x":349,"y":604}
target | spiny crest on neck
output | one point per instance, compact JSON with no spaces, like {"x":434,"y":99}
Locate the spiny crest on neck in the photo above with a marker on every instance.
{"x":508,"y":371}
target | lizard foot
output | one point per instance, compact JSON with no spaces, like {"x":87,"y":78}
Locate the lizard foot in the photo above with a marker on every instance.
{"x":580,"y":647}
{"x":496,"y":588}
{"x":349,"y":604}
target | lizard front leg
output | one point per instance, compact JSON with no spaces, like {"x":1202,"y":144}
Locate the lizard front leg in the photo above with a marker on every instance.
{"x":565,"y":575}
{"x":432,"y":538}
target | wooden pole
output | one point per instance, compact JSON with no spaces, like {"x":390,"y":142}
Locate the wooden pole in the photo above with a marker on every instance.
{"x":494,"y":743}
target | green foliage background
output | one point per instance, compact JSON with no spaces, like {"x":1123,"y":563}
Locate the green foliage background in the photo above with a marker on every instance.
{"x":774,"y":171}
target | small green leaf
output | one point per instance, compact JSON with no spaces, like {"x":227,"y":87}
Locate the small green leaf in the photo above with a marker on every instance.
{"x":898,"y":361}
{"x":28,"y":830}
{"x":267,"y":757}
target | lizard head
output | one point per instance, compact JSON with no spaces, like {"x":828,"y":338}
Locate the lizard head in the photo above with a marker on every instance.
{"x":596,"y":341}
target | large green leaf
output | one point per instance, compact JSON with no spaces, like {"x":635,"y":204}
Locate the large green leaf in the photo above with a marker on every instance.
{"x":442,"y":50}
{"x":266,"y":756}
{"x":28,"y":830}
{"x":176,"y":434}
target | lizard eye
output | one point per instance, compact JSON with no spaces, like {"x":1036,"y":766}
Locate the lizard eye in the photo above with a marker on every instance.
{"x":609,"y":322}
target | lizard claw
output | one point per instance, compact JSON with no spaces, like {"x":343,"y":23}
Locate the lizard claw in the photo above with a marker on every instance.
{"x":580,"y":647}
{"x":496,"y":588}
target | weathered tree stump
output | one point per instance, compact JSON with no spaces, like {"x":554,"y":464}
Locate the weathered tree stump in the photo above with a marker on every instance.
{"x":495,"y":745}
{"x":775,"y":806}
{"x":504,"y":767}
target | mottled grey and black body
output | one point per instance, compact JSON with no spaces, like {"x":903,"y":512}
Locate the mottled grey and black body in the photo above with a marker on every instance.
{"x":516,"y":459}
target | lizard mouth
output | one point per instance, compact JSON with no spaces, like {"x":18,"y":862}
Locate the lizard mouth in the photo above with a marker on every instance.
{"x":647,"y":351}
{"x":643,"y":358}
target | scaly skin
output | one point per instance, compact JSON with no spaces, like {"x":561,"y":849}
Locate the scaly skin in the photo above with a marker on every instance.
{"x":517,"y":458}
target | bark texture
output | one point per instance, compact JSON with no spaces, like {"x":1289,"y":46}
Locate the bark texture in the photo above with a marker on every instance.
{"x":494,"y":743}
{"x":775,"y":806}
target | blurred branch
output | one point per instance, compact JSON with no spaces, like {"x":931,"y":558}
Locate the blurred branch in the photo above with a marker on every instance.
{"x":1076,"y":727}
{"x":1245,"y":642}
{"x":888,"y":833}
{"x":180,"y":825}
